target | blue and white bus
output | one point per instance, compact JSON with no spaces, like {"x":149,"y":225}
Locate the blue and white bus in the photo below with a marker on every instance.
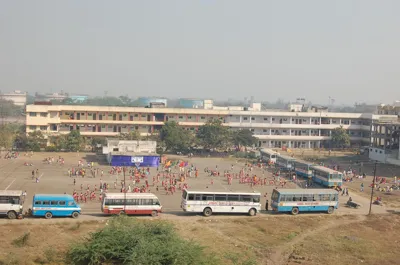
{"x":303,"y":169}
{"x":268,"y":155}
{"x":304,"y":200}
{"x":58,"y":205}
{"x":285,"y":162}
{"x":327,"y":177}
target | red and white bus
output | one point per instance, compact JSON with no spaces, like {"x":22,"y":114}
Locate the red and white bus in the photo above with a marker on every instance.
{"x":136,"y":203}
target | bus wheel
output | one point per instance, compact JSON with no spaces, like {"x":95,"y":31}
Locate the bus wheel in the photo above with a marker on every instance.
{"x":207,"y":212}
{"x":75,"y":215}
{"x":330,"y":210}
{"x":11,"y":215}
{"x":252,"y":212}
{"x":154,"y":213}
{"x":295,"y":210}
{"x":48,"y":215}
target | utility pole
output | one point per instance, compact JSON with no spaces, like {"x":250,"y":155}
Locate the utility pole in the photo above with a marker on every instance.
{"x":124,"y":188}
{"x":373,"y":187}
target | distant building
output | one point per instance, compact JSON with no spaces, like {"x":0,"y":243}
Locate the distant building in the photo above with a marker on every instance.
{"x":78,"y":98}
{"x":147,"y":101}
{"x":386,"y":109}
{"x":51,"y":96}
{"x":17,"y":97}
{"x":190,"y":103}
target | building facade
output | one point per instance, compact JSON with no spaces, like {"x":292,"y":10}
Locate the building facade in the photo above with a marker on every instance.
{"x":17,"y":97}
{"x":272,"y":128}
{"x":147,"y":101}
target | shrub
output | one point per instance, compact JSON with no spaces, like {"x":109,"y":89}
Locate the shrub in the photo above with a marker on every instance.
{"x":128,"y":241}
{"x":22,"y":240}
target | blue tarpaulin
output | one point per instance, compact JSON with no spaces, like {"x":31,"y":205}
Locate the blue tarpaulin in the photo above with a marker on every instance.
{"x":129,"y":161}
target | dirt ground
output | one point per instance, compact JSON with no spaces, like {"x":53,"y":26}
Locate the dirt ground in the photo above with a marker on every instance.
{"x":341,"y":238}
{"x":303,"y":239}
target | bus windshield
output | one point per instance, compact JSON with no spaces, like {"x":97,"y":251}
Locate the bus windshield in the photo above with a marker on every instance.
{"x":275,"y":196}
{"x":10,"y":199}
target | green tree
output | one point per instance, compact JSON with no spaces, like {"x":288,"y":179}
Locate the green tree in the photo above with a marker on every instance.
{"x":128,"y":241}
{"x":59,"y":142}
{"x":213,"y":135}
{"x":174,"y":137}
{"x":35,"y":141}
{"x":7,"y":137}
{"x":243,"y":138}
{"x":133,"y":135}
{"x":340,"y":137}
{"x":74,"y":141}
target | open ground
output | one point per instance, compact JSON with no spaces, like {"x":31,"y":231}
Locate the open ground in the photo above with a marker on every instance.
{"x":347,"y":237}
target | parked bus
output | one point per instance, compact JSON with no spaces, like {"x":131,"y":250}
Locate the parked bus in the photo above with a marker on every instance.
{"x":285,"y":162}
{"x":268,"y":155}
{"x":207,"y":202}
{"x":136,"y":203}
{"x":57,"y":205}
{"x":303,"y":169}
{"x":304,"y":200}
{"x":11,"y":203}
{"x":327,"y":177}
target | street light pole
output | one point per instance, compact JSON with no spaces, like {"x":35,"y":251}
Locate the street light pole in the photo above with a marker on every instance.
{"x":373,"y":187}
{"x":124,"y":189}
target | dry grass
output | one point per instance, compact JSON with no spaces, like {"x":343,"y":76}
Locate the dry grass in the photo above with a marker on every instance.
{"x":317,"y":239}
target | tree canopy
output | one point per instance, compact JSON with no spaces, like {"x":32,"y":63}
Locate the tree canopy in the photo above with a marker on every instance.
{"x":243,"y":138}
{"x":213,"y":135}
{"x":128,"y":241}
{"x":340,"y":137}
{"x":175,"y":138}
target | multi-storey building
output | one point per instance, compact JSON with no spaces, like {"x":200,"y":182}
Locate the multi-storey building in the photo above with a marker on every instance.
{"x":17,"y":97}
{"x":272,"y":128}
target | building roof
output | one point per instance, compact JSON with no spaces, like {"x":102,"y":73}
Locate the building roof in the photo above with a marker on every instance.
{"x":306,"y":191}
{"x":117,"y":153}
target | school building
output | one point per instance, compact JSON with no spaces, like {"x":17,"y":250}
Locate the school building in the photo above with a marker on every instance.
{"x":273,"y":128}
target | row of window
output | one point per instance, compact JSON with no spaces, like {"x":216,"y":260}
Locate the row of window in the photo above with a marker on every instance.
{"x":54,"y":203}
{"x":9,"y":199}
{"x":132,"y":202}
{"x":308,"y":198}
{"x":223,"y":197}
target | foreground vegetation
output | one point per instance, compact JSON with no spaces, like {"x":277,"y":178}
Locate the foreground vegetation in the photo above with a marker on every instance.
{"x":317,"y":239}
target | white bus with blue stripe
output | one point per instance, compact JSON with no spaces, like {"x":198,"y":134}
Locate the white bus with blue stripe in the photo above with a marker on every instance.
{"x":268,"y":155}
{"x":304,"y":200}
{"x":303,"y":169}
{"x":327,"y":177}
{"x":285,"y":162}
{"x":57,"y":205}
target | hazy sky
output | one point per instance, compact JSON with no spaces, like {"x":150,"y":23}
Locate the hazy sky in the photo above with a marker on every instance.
{"x":349,"y":50}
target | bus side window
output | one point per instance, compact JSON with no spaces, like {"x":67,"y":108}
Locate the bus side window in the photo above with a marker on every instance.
{"x":245,"y":198}
{"x":335,"y":197}
{"x":156,"y":202}
{"x":71,"y":204}
{"x":316,"y":197}
{"x":308,"y":198}
{"x":46,"y":203}
{"x":198,"y":197}
{"x":297,"y":198}
{"x":191,"y":197}
{"x":220,"y":197}
{"x":54,"y":203}
{"x":233,"y":197}
{"x":256,"y":198}
{"x":38,"y":202}
{"x":61,"y":203}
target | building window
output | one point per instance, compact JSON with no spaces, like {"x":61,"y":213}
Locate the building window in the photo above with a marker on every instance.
{"x":43,"y":114}
{"x":245,"y":118}
{"x":143,"y":116}
{"x":136,"y":115}
{"x":251,"y":130}
{"x":43,"y":128}
{"x":32,"y":114}
{"x":53,"y":127}
{"x":189,"y":117}
{"x":264,"y":130}
{"x":265,"y":119}
{"x":180,"y":117}
{"x":252,"y":118}
{"x":32,"y":127}
{"x":273,"y":119}
{"x":202,"y":118}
